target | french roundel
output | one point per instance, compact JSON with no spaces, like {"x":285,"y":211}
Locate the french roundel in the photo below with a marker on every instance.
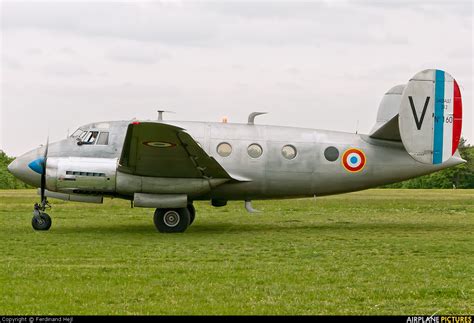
{"x":353,"y":160}
{"x":159,"y":144}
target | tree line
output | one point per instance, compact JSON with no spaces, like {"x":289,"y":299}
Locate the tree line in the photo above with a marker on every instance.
{"x":7,"y":180}
{"x":460,"y":176}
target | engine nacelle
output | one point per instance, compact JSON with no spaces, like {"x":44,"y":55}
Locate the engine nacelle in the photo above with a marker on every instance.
{"x":81,"y":174}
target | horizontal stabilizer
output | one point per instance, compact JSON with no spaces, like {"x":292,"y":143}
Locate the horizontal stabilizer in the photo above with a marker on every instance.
{"x":387,"y":131}
{"x":386,"y":127}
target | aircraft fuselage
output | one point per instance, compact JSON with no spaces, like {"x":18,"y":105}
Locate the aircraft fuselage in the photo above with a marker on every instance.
{"x":92,"y":169}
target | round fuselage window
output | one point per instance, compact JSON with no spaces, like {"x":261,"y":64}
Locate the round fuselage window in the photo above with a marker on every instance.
{"x":254,"y":150}
{"x":331,"y":153}
{"x":288,"y":151}
{"x":224,"y":149}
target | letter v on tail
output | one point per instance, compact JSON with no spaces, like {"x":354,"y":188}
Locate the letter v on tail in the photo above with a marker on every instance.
{"x":419,"y":122}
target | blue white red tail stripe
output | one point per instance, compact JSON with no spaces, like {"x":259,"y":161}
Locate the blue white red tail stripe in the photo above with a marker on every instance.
{"x":457,"y":117}
{"x":448,"y":118}
{"x":430,"y":117}
{"x":438,"y":118}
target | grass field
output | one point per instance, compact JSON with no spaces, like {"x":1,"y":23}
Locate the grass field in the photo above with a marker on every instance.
{"x":373,"y":252}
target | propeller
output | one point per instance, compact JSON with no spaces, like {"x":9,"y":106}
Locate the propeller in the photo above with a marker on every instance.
{"x":43,"y":175}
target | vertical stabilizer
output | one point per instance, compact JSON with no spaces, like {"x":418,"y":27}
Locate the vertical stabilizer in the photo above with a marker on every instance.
{"x":430,"y":117}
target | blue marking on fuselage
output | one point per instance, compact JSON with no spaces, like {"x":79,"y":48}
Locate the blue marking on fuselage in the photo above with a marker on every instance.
{"x":353,"y":159}
{"x":438,"y":118}
{"x":37,"y":165}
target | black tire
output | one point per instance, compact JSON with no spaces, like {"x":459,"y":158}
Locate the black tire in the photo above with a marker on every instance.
{"x":192,"y":213}
{"x":172,"y":220}
{"x":41,"y":222}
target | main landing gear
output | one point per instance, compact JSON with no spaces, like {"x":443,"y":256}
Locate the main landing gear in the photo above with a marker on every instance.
{"x":174,"y":220}
{"x":41,"y":221}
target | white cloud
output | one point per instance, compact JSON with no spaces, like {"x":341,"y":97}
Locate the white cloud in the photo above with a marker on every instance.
{"x":138,"y":53}
{"x":319,"y":65}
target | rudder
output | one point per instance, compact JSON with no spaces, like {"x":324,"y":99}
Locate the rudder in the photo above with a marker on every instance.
{"x":430,"y":117}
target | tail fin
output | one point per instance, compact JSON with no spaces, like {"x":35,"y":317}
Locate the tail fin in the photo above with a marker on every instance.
{"x":430,"y":116}
{"x":386,"y":126}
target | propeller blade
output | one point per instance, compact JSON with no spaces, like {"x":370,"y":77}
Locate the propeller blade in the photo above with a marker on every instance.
{"x":43,"y":173}
{"x":46,"y":149}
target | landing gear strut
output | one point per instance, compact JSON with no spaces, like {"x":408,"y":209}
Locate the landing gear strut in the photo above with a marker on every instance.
{"x":41,"y":221}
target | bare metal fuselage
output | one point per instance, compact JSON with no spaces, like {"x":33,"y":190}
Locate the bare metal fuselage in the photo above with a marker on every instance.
{"x":267,"y":177}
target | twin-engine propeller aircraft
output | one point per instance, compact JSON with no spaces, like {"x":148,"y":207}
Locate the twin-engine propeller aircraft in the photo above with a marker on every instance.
{"x":168,"y":165}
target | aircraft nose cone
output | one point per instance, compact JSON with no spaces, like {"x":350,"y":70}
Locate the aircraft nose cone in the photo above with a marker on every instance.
{"x":21,"y":170}
{"x":13,"y":167}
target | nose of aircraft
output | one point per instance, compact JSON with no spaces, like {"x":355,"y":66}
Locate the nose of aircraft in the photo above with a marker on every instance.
{"x":27,"y":168}
{"x":12,"y":167}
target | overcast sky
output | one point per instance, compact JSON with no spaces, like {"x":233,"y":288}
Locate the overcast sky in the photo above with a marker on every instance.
{"x":320,"y":64}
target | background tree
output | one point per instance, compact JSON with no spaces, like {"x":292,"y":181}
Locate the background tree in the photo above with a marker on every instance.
{"x":460,"y":176}
{"x":7,"y":180}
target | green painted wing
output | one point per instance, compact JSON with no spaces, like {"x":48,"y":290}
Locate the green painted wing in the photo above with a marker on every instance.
{"x":162,"y":150}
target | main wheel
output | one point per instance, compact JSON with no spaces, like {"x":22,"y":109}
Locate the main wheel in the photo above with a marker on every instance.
{"x":192,"y":213}
{"x":172,"y":220}
{"x":41,"y":222}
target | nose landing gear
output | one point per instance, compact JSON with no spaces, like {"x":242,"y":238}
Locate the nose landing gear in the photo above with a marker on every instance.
{"x":41,"y":221}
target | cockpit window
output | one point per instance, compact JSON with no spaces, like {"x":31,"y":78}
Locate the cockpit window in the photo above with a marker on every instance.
{"x":103,"y":139}
{"x":78,"y":133}
{"x":90,"y":137}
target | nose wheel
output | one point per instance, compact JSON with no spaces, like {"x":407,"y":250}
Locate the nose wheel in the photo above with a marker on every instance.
{"x":41,"y":221}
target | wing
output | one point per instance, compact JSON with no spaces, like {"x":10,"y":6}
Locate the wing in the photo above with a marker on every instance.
{"x":162,"y":150}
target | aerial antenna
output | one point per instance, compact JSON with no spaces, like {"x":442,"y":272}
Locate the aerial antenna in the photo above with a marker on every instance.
{"x":252,"y":117}
{"x":357,"y":126}
{"x":160,"y":114}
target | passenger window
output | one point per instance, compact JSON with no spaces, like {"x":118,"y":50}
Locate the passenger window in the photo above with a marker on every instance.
{"x":254,"y":150}
{"x":103,"y":139}
{"x":331,"y":153}
{"x":224,"y":149}
{"x":288,"y":151}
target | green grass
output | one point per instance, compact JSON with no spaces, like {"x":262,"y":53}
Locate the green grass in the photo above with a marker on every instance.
{"x":373,"y":252}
